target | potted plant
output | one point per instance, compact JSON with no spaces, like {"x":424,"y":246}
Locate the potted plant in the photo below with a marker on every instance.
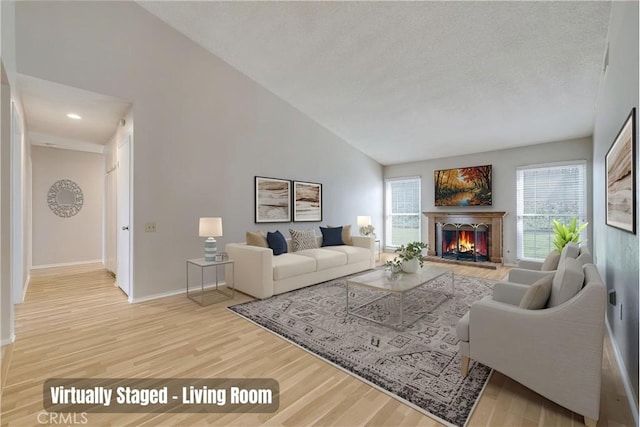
{"x":409,"y":257}
{"x":394,"y":268}
{"x":565,"y":234}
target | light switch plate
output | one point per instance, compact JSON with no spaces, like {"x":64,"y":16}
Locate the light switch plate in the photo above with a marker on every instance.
{"x":150,"y":227}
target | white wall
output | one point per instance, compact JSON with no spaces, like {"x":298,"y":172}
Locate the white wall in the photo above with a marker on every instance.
{"x":76,"y":239}
{"x":7,"y":46}
{"x":202,"y":130}
{"x":504,"y":164}
{"x":617,"y":251}
{"x":6,"y":304}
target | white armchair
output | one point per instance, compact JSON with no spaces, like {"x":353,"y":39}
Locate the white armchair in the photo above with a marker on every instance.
{"x":555,"y":351}
{"x":531,"y":271}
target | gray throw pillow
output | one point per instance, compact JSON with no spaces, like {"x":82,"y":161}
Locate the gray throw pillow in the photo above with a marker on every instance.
{"x":567,"y":282}
{"x":551,"y":261}
{"x":538,"y":293}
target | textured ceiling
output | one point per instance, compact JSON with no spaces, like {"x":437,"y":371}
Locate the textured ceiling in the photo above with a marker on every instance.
{"x":46,"y":105}
{"x":406,"y":81}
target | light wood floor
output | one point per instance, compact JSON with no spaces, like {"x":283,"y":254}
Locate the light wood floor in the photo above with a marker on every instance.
{"x":75,"y":323}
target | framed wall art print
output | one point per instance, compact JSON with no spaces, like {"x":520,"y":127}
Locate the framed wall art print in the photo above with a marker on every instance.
{"x":620,"y":170}
{"x":272,"y":200}
{"x":307,"y":201}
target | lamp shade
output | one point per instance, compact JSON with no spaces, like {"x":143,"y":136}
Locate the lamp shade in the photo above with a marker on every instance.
{"x":210,"y":227}
{"x":363,"y":221}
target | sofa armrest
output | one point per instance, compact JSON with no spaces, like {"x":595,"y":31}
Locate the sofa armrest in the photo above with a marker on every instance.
{"x":510,"y":293}
{"x":367,"y":242}
{"x":253,"y":269}
{"x":526,"y":277}
{"x":530,"y":265}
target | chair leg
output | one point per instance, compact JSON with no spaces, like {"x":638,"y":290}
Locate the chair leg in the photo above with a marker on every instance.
{"x":590,"y":422}
{"x":464,"y":364}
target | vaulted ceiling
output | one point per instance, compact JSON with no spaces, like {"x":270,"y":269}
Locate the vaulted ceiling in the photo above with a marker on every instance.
{"x":407,"y":81}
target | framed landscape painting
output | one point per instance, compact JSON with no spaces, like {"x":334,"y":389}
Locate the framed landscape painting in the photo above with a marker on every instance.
{"x":272,"y":200}
{"x":307,"y":201}
{"x":463,"y":186}
{"x":620,"y":165}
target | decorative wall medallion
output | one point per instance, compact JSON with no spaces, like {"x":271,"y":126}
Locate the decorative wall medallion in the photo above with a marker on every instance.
{"x":65,"y":198}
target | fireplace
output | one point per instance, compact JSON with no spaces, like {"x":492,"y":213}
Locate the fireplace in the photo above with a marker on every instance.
{"x":465,"y":236}
{"x":467,"y":242}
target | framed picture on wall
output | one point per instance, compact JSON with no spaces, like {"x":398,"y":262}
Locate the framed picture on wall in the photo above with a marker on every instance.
{"x":272,"y":200}
{"x":620,"y":165}
{"x":307,"y":201}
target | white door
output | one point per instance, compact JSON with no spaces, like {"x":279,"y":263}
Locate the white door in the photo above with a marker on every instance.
{"x":123,"y":255}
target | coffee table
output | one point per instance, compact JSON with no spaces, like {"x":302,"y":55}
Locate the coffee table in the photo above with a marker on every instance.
{"x":404,"y":284}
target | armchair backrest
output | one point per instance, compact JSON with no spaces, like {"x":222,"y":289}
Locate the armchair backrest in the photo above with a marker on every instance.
{"x":585,"y":256}
{"x":567,"y":281}
{"x":570,"y":250}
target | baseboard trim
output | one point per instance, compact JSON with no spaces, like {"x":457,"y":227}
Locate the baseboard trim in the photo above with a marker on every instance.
{"x":9,"y":340}
{"x":633,"y":404}
{"x":170,"y":293}
{"x":66,"y":264}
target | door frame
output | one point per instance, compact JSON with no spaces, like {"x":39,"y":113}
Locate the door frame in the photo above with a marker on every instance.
{"x":17,"y":208}
{"x":128,"y":136}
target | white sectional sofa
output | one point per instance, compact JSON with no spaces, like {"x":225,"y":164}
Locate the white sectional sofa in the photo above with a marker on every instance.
{"x":261,"y":274}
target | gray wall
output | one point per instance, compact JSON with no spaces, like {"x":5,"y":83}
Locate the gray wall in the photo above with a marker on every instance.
{"x":504,"y":164}
{"x":202,"y":130}
{"x":78,"y":238}
{"x":617,"y":251}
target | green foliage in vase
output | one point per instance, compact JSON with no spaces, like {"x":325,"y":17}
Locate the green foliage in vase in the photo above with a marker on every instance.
{"x":410,"y":251}
{"x":565,"y":234}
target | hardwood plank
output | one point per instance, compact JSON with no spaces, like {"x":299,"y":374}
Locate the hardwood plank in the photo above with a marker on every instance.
{"x":75,"y":322}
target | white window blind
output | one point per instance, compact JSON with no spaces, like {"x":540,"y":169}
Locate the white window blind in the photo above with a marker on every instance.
{"x":402,"y":219}
{"x":544,"y":193}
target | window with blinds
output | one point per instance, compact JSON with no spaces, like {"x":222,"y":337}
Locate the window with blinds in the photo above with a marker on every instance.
{"x":402,"y":219}
{"x":544,"y":193}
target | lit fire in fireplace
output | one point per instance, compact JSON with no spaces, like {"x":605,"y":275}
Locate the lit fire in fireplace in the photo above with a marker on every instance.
{"x":466,"y":242}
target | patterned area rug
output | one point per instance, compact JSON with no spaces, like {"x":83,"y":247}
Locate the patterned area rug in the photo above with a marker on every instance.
{"x":420,"y":365}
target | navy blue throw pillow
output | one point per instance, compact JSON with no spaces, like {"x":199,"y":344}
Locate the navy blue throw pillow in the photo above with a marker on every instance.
{"x":277,"y":242}
{"x":331,"y":236}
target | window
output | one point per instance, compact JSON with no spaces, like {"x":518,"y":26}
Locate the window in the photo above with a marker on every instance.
{"x":402,"y":201}
{"x":548,"y":192}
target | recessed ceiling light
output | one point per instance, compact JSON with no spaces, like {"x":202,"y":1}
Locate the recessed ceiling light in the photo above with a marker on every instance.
{"x":74,"y":116}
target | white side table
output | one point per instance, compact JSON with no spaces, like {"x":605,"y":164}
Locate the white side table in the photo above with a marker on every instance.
{"x":200,"y":262}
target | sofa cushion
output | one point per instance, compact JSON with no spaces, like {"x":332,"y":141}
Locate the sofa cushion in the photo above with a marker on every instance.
{"x":551,"y":261}
{"x":567,"y":282}
{"x":354,"y":253}
{"x":346,"y":234}
{"x":537,"y":295}
{"x":290,"y":265}
{"x":325,"y":258}
{"x":257,"y":239}
{"x":331,"y":236}
{"x":302,"y":239}
{"x":277,"y":242}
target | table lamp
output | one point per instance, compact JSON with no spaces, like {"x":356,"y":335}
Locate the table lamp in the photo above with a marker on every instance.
{"x":210,"y":227}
